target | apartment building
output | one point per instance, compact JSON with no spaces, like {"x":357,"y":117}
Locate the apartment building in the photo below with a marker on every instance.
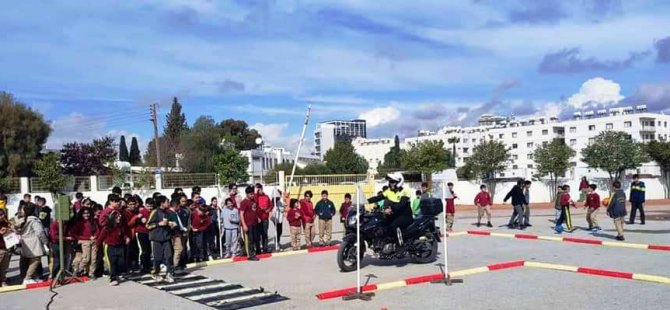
{"x":523,"y":136}
{"x":327,"y":133}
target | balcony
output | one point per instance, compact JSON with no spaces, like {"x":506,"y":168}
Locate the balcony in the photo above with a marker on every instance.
{"x":648,"y":128}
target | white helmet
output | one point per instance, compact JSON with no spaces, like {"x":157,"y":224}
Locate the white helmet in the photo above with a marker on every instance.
{"x":396,"y":177}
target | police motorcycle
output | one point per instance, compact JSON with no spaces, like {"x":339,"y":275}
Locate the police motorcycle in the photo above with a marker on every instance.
{"x":381,"y":233}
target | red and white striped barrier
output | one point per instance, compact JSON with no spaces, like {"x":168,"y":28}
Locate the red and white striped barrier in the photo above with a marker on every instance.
{"x":494,"y":267}
{"x":571,"y":240}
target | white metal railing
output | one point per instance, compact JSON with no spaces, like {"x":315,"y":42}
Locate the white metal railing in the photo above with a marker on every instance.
{"x":174,"y":180}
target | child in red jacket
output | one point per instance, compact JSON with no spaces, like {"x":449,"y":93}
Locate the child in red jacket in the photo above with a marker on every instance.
{"x":592,"y":204}
{"x":114,"y":236}
{"x":83,"y":231}
{"x":483,"y":203}
{"x":294,"y":218}
{"x":200,"y":221}
{"x":308,"y":216}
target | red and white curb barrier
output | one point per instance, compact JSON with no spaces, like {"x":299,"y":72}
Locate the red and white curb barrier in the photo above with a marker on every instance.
{"x":494,"y":267}
{"x":571,"y":240}
{"x":45,"y":284}
{"x":263,"y":256}
{"x":418,"y":280}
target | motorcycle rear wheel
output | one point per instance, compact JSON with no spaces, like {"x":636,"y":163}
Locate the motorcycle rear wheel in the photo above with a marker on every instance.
{"x":430,"y":256}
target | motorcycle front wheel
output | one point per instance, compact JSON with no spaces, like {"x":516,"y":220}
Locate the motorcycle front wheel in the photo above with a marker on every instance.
{"x":346,"y":255}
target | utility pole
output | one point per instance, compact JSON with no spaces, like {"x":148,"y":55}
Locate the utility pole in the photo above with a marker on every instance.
{"x":154,"y":119}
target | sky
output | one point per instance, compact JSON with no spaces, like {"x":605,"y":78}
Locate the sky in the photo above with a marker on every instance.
{"x":92,"y":68}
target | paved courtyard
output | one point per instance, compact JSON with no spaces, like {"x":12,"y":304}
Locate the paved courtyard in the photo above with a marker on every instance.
{"x":299,"y":278}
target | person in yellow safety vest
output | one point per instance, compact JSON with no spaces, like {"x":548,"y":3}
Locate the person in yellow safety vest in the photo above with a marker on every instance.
{"x":398,"y":209}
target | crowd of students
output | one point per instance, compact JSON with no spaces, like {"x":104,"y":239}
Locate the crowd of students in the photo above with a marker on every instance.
{"x":159,"y":235}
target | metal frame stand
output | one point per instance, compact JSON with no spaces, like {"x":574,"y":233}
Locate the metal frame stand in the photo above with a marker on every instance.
{"x":359,"y":294}
{"x":447,"y":280}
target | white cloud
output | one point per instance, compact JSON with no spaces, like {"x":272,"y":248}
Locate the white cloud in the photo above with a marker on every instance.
{"x":380,"y":116}
{"x":74,"y":127}
{"x":596,"y":92}
{"x":272,"y":133}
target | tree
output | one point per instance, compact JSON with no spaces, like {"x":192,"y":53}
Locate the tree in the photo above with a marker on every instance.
{"x":660,"y":153}
{"x":453,"y":141}
{"x":553,"y":159}
{"x":466,"y":171}
{"x":271,"y":176}
{"x":343,"y":159}
{"x":315,"y":169}
{"x":231,"y":165}
{"x":238,"y":133}
{"x":85,"y":159}
{"x":392,"y":158}
{"x":175,"y":121}
{"x":150,"y":155}
{"x":123,"y":150}
{"x":50,"y":172}
{"x":135,"y":157}
{"x":613,"y":152}
{"x":200,"y":145}
{"x":489,"y":158}
{"x":175,"y":127}
{"x":23,"y":132}
{"x":426,"y":157}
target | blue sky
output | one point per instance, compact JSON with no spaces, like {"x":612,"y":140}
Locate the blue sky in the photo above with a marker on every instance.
{"x":92,"y":68}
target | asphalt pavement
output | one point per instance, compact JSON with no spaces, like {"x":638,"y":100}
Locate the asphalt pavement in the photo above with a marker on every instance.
{"x":300,"y":277}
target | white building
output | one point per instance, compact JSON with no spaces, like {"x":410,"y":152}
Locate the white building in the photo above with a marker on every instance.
{"x":261,"y":161}
{"x":327,"y":133}
{"x":522,"y":137}
{"x":373,"y":150}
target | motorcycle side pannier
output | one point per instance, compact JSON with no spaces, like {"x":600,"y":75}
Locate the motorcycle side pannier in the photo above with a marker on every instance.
{"x":431,"y":206}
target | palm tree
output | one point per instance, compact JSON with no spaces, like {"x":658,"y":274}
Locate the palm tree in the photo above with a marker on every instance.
{"x":453,"y":141}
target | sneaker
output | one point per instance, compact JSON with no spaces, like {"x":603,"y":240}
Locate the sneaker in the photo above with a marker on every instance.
{"x":630,"y":223}
{"x":478,"y":224}
{"x":29,"y":281}
{"x":157,"y":278}
{"x":168,"y":278}
{"x":620,"y":238}
{"x":642,"y":223}
{"x":510,"y":226}
{"x":489,"y":225}
{"x":211,"y":258}
{"x":253,"y":259}
{"x":114,"y":283}
{"x":529,"y":225}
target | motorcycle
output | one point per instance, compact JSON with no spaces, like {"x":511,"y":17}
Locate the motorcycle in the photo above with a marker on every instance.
{"x":419,"y":240}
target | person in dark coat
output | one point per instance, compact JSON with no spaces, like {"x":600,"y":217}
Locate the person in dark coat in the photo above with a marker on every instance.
{"x":637,"y":199}
{"x":518,"y":201}
{"x":616,"y":209}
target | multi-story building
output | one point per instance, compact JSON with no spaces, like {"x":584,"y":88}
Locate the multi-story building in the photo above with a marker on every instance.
{"x":327,"y":133}
{"x":522,"y":137}
{"x":373,"y":150}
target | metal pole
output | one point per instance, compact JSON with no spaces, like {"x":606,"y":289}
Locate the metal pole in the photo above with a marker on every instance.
{"x":218,"y":218}
{"x":358,"y":240}
{"x":274,"y":201}
{"x":302,"y":137}
{"x":154,"y":119}
{"x":444,"y":234}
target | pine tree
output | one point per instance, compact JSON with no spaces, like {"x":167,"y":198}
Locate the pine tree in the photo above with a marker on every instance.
{"x":175,"y":126}
{"x":175,"y":123}
{"x":135,"y":157}
{"x":123,"y":150}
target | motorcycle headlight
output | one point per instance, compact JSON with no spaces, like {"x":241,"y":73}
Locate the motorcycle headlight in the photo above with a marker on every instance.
{"x":351,"y":221}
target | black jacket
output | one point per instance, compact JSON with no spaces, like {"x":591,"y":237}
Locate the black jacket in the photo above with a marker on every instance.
{"x":517,"y":195}
{"x":156,"y":232}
